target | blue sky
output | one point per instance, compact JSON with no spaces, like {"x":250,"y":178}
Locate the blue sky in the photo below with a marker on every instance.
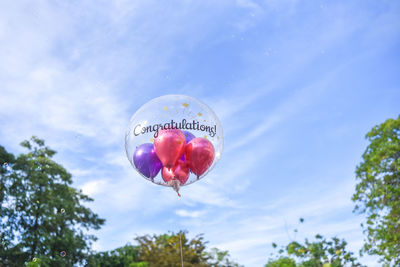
{"x":296,"y":85}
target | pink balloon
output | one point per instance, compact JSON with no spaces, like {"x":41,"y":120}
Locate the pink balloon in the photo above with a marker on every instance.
{"x":179,"y":172}
{"x":199,"y":155}
{"x":169,"y":146}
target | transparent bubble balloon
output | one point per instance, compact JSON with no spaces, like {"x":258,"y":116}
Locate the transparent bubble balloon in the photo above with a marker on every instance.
{"x":174,"y":140}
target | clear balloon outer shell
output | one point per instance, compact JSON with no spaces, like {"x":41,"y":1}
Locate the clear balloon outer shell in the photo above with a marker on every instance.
{"x":174,"y":111}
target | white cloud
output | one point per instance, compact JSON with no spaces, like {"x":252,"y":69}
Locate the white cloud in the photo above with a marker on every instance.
{"x":186,"y":213}
{"x":93,"y":188}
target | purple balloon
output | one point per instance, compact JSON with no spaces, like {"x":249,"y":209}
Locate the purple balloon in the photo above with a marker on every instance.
{"x":146,"y":160}
{"x":188,"y":136}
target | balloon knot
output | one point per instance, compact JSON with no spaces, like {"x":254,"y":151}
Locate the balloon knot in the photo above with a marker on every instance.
{"x":175,"y":184}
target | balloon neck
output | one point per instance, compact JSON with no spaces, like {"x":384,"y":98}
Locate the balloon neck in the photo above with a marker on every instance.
{"x":175,"y":184}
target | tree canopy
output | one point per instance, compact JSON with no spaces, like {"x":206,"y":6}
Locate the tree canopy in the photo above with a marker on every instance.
{"x":319,"y":253}
{"x":378,"y":192}
{"x":42,"y":217}
{"x":163,"y":251}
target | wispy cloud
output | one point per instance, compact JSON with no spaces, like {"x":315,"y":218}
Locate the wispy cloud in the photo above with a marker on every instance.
{"x":186,"y":213}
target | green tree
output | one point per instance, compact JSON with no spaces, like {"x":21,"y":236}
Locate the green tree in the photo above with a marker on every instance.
{"x":319,"y":253}
{"x":126,"y":256}
{"x":281,"y":262}
{"x":220,"y":258}
{"x":378,"y":192}
{"x":48,"y":215}
{"x":8,"y":216}
{"x":163,"y":250}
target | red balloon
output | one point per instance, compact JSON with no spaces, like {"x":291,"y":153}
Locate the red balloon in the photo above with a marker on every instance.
{"x":199,"y":155}
{"x":169,"y":146}
{"x":179,"y":172}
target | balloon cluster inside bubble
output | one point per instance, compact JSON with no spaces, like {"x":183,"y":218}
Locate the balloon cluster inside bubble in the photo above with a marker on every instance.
{"x":174,"y":140}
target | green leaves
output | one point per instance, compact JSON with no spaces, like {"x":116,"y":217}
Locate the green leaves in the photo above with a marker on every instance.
{"x":164,"y":251}
{"x":319,"y":253}
{"x":378,"y":191}
{"x":281,"y":262}
{"x":38,"y":189}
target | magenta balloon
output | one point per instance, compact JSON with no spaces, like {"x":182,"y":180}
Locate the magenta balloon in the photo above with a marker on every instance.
{"x":170,"y":146}
{"x":199,"y":154}
{"x":179,"y":172}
